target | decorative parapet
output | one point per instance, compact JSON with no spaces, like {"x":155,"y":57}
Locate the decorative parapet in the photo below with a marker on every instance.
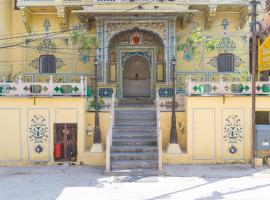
{"x":44,"y":3}
{"x":20,"y":88}
{"x":230,"y":88}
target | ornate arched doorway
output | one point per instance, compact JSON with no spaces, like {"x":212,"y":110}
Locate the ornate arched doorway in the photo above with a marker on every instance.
{"x":136,"y":77}
{"x":136,"y":63}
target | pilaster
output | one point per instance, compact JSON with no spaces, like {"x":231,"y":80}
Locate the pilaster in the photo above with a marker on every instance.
{"x":27,"y":19}
{"x":210,"y":16}
{"x":63,"y":17}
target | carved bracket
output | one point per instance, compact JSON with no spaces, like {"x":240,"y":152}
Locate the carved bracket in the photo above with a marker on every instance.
{"x":244,"y":17}
{"x":210,"y":15}
{"x":63,"y":17}
{"x":187,"y":19}
{"x":27,"y":19}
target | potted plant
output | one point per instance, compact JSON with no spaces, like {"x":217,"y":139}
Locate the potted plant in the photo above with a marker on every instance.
{"x":100,"y":105}
{"x":10,"y":76}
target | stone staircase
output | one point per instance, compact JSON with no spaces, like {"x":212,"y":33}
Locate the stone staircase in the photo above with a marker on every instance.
{"x":134,"y":148}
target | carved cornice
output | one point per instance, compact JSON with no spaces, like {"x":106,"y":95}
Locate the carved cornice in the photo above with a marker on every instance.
{"x":63,"y":17}
{"x":210,"y":15}
{"x":244,"y":17}
{"x":27,"y":19}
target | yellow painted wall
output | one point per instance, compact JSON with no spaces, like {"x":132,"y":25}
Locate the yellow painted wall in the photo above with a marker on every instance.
{"x":216,"y":32}
{"x":96,"y":158}
{"x":165,"y":125}
{"x":16,"y":116}
{"x":206,"y":121}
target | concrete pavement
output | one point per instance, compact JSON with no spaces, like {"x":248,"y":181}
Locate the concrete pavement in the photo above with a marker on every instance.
{"x":196,"y":182}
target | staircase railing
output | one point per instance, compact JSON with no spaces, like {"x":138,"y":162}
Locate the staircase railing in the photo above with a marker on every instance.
{"x":159,"y":133}
{"x":109,"y":137}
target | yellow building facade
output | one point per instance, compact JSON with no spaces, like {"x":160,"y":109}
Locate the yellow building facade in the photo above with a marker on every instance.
{"x":44,"y":107}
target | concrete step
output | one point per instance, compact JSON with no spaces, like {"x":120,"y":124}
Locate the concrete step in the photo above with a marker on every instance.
{"x":134,"y":111}
{"x":134,"y":156}
{"x":134,"y":172}
{"x":134,"y":164}
{"x":135,"y":118}
{"x":134,"y":142}
{"x":122,"y":129}
{"x":135,"y":124}
{"x":135,"y":136}
{"x":133,"y":149}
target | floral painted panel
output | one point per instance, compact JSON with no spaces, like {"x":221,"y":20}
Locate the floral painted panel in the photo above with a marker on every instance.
{"x":38,"y":128}
{"x":38,"y":132}
{"x":233,"y":134}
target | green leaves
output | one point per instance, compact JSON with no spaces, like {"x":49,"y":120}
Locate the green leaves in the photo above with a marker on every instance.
{"x":195,"y":42}
{"x":241,"y":74}
{"x":84,"y":41}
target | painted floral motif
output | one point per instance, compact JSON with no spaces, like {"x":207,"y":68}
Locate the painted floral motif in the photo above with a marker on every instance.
{"x":237,"y":61}
{"x":35,"y":63}
{"x":233,"y":132}
{"x":38,"y":132}
{"x":226,"y":45}
{"x":47,"y":46}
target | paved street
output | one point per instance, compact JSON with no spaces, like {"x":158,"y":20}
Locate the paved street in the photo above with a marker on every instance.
{"x":181,"y":182}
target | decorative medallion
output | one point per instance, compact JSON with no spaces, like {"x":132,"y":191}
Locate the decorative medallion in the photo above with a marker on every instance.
{"x":188,"y":56}
{"x":38,"y":132}
{"x":84,"y":58}
{"x":233,"y":149}
{"x":136,"y":38}
{"x":233,"y":132}
{"x":105,"y":92}
{"x":165,"y":92}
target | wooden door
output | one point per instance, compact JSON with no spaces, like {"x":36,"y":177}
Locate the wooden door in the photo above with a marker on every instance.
{"x":65,"y":142}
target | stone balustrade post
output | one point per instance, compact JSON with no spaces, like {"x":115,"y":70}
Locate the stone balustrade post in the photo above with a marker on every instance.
{"x":221,"y":88}
{"x":20,"y":85}
{"x":51,"y":85}
{"x":82,"y":85}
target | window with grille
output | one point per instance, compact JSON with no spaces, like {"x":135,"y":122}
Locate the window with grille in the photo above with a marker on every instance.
{"x":262,"y":117}
{"x":47,"y":64}
{"x":225,"y":62}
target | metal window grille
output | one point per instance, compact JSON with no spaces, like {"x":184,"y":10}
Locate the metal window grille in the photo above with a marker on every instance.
{"x":225,"y":62}
{"x":262,"y":117}
{"x":47,"y":64}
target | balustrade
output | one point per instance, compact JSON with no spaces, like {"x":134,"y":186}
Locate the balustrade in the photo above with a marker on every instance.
{"x":20,"y":88}
{"x":223,"y":87}
{"x":159,"y":133}
{"x":109,"y":136}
